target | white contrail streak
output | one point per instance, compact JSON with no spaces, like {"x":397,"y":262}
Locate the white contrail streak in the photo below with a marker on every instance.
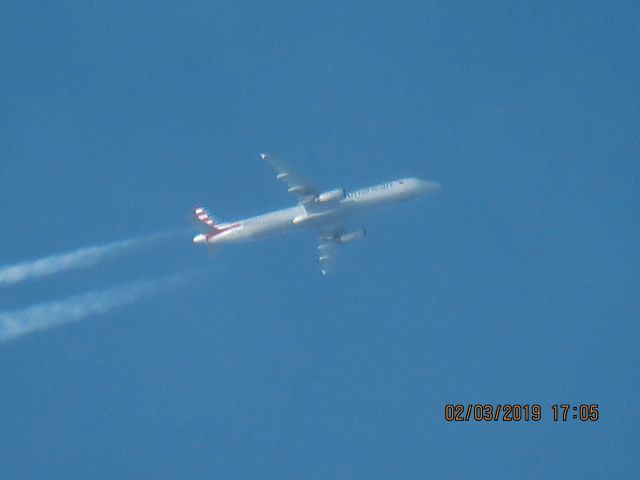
{"x":80,"y":258}
{"x":97,"y":302}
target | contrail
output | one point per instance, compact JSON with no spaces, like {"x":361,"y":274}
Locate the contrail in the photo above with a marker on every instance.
{"x":80,"y":258}
{"x":97,"y":302}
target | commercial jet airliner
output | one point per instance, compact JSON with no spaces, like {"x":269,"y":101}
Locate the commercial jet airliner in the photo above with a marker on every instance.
{"x":326,"y":212}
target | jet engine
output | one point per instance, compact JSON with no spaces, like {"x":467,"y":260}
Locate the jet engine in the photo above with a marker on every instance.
{"x":331,"y":196}
{"x":351,"y":236}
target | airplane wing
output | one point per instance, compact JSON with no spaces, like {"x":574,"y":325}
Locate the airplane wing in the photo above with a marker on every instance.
{"x":331,"y":236}
{"x":295,"y":183}
{"x":327,"y":252}
{"x":326,"y":256}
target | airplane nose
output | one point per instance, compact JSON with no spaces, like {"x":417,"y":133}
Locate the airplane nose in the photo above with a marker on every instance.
{"x":202,"y":238}
{"x":429,"y":186}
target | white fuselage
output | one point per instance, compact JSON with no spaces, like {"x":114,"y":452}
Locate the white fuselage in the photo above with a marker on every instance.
{"x":320,"y":213}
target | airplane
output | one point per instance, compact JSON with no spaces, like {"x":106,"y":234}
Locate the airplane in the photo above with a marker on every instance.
{"x":326,"y":212}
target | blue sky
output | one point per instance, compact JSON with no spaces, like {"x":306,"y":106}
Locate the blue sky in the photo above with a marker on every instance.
{"x":517,"y":284}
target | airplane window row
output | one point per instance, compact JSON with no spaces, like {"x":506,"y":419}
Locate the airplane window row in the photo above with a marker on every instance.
{"x":377,"y":188}
{"x":384,"y":186}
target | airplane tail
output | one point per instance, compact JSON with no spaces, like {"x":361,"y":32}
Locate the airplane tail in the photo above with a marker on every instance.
{"x":214,"y":228}
{"x":203,"y":216}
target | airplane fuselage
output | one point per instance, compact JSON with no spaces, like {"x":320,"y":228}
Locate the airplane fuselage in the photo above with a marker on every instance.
{"x":317,"y":213}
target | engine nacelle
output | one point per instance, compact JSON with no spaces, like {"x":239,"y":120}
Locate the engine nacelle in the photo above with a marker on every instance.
{"x":331,"y":196}
{"x":351,"y":236}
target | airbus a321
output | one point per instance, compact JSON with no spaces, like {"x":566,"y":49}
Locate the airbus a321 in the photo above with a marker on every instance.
{"x":326,"y":212}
